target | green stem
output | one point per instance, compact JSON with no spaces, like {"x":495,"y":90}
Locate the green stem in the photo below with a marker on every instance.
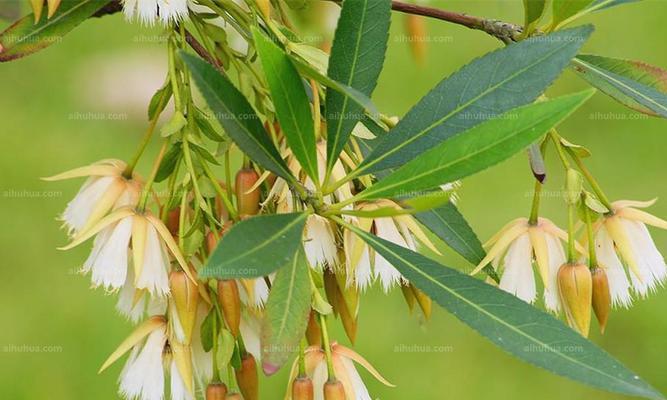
{"x":327,"y":347}
{"x":571,"y":250}
{"x":224,"y":195}
{"x":591,"y":180}
{"x":592,"y":256}
{"x":147,"y":187}
{"x":555,"y":138}
{"x":302,"y":358}
{"x":535,"y":209}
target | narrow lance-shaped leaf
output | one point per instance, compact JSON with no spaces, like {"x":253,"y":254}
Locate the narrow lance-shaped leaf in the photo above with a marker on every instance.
{"x":25,"y":37}
{"x":533,"y":11}
{"x":356,"y":60}
{"x":236,"y":116}
{"x":286,"y":314}
{"x":564,"y":9}
{"x":477,"y":149}
{"x":637,"y":85}
{"x":500,"y":81}
{"x":291,"y":102}
{"x":513,"y":325}
{"x":602,"y":4}
{"x":256,"y":246}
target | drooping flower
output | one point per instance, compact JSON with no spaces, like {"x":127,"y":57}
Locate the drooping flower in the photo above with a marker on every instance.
{"x":106,"y":189}
{"x":319,"y":242}
{"x":515,"y":248}
{"x":134,"y":303}
{"x":363,"y":263}
{"x":149,"y":12}
{"x":109,"y":260}
{"x":622,"y":238}
{"x":143,"y":374}
{"x":344,"y":360}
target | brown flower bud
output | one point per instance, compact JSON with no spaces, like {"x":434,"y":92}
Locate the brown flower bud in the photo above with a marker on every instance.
{"x":173,"y":220}
{"x":185,"y":295}
{"x":576,"y":291}
{"x":601,"y":297}
{"x":313,"y":332}
{"x":228,"y":296}
{"x":416,"y":31}
{"x":334,"y":390}
{"x":246,"y":377}
{"x":247,"y":202}
{"x":302,"y":389}
{"x":216,"y":391}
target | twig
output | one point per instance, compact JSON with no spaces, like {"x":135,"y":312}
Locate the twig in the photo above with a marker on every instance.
{"x":199,"y":49}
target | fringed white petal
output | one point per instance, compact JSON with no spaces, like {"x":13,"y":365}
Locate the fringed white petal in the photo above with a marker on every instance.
{"x":518,"y":278}
{"x":556,"y":259}
{"x":109,"y":264}
{"x":154,"y":276}
{"x":388,"y":275}
{"x":319,"y":243}
{"x":649,"y":260}
{"x":357,"y":384}
{"x":128,"y":304}
{"x":80,"y":208}
{"x":619,"y":287}
{"x":178,"y":389}
{"x":250,"y":330}
{"x":143,"y":375}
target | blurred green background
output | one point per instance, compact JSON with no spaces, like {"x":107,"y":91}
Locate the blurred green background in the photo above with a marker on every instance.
{"x":85,"y":99}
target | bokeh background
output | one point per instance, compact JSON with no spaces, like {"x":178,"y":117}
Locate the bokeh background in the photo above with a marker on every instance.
{"x":85,"y":99}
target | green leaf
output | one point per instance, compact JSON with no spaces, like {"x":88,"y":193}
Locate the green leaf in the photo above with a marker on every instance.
{"x":500,"y":81}
{"x":533,"y":12}
{"x":291,"y":102}
{"x":447,"y":223}
{"x":169,"y":162}
{"x":25,"y":37}
{"x":477,"y":149}
{"x":159,"y":100}
{"x":637,"y":85}
{"x":356,"y":60}
{"x":361,"y":99}
{"x":602,"y":4}
{"x":209,"y":329}
{"x":256,"y":246}
{"x":520,"y":329}
{"x":286,"y":314}
{"x":174,"y":125}
{"x":236,"y":116}
{"x":564,"y":9}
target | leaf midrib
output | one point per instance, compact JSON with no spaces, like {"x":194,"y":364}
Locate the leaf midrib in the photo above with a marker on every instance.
{"x":266,"y":242}
{"x":457,"y":110}
{"x":288,"y":302}
{"x":490,"y":315}
{"x":601,"y":72}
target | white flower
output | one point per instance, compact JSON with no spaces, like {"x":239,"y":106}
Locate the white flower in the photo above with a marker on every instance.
{"x":320,"y":243}
{"x":254,"y":292}
{"x":149,"y":11}
{"x":109,"y":259}
{"x":514,"y":249}
{"x":362,"y":262}
{"x":344,"y":369}
{"x":106,"y":189}
{"x":250,"y":331}
{"x":622,"y":238}
{"x":134,"y":303}
{"x":143,"y":374}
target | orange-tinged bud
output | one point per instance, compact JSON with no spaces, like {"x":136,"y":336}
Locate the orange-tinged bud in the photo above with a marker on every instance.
{"x":185,"y":295}
{"x":575,"y":285}
{"x":601,"y":297}
{"x":334,"y":390}
{"x":173,"y":220}
{"x":416,"y":30}
{"x":313,"y":332}
{"x":212,"y":238}
{"x":223,"y":213}
{"x":247,"y":202}
{"x":228,"y":296}
{"x":425,"y":302}
{"x":216,"y":391}
{"x":234,"y":396}
{"x":247,"y":378}
{"x":265,"y":8}
{"x":302,"y":389}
